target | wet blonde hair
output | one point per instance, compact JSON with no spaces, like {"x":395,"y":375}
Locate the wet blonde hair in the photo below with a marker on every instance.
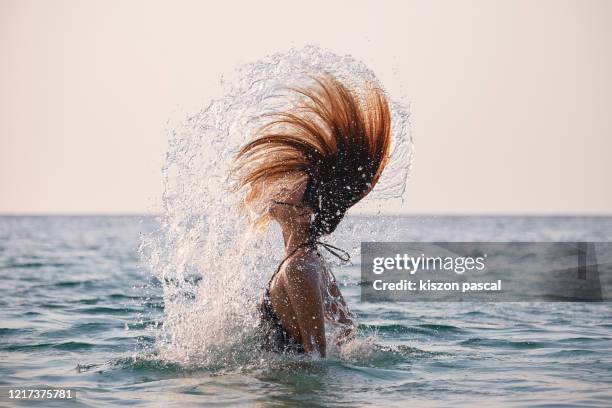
{"x":334,"y":139}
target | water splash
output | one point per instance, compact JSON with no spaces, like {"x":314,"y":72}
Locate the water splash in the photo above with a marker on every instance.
{"x":211,"y":266}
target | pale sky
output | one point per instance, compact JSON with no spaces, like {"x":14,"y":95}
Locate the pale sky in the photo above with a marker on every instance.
{"x":511,"y":101}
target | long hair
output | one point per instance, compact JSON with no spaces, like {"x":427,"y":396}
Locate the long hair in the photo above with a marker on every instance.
{"x":335,"y":139}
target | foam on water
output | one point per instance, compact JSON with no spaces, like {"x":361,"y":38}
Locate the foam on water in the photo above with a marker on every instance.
{"x":212,"y":267}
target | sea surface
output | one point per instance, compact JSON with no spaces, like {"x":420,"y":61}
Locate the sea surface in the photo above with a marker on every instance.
{"x":78,"y":309}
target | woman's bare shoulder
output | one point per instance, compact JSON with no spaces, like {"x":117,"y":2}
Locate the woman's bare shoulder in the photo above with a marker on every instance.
{"x":303,"y":265}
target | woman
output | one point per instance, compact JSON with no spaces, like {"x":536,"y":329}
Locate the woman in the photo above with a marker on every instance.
{"x":305,"y":169}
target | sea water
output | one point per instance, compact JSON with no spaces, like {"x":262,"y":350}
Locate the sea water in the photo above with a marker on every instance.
{"x":79,"y":308}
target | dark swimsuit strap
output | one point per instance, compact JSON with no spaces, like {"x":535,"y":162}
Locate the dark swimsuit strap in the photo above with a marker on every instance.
{"x":334,"y":250}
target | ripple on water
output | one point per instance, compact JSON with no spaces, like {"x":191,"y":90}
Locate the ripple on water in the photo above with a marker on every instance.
{"x":502,"y":343}
{"x":106,"y":310}
{"x":386,"y":330}
{"x":65,"y":346}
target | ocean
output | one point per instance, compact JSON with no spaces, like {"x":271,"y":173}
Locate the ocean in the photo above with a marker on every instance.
{"x":79,"y":309}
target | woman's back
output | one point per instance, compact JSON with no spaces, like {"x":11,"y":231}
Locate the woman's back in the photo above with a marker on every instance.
{"x":296,"y":296}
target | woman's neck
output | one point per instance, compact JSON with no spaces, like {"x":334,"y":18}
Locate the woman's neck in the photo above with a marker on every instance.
{"x":295,"y":236}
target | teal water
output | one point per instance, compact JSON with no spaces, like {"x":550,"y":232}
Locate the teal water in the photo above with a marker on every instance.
{"x":77,"y":309}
